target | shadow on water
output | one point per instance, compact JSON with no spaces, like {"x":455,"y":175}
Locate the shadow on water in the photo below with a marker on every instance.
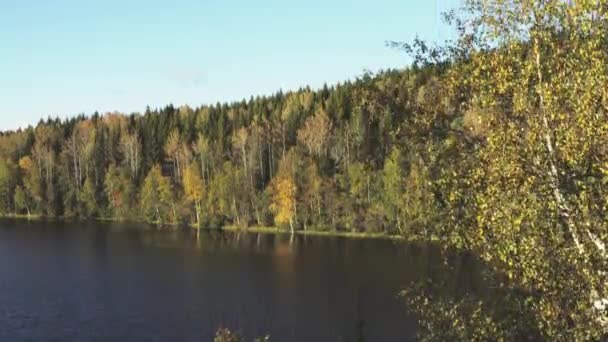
{"x":119,"y":281}
{"x":485,"y":308}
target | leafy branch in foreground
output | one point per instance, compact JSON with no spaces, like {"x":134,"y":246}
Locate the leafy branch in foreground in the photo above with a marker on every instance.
{"x":531,"y":200}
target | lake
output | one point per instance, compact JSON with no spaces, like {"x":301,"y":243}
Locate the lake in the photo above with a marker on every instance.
{"x":99,"y":281}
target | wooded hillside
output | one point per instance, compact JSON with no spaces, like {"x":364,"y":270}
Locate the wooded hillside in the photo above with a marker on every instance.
{"x":342,"y":157}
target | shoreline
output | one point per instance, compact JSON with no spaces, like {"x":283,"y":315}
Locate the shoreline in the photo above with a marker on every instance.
{"x":350,"y":235}
{"x":228,"y":228}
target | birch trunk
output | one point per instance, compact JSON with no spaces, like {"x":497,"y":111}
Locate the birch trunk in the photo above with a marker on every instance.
{"x":562,"y":205}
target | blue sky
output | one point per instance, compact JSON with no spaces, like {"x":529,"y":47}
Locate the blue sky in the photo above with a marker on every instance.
{"x":65,"y":57}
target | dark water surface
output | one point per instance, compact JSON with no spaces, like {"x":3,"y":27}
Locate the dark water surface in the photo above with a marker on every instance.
{"x":94,"y":281}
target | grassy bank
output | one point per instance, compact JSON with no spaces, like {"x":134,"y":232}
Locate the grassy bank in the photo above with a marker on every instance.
{"x":309,"y":232}
{"x":22,"y":217}
{"x":229,"y":228}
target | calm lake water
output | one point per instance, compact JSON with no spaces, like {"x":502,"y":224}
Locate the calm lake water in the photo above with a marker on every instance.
{"x":94,"y":281}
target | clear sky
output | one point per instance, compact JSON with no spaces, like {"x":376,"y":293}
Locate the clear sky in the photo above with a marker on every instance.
{"x":65,"y":57}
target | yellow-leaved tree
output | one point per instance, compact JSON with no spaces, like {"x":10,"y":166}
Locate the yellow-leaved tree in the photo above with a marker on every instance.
{"x":193,"y":188}
{"x":283,"y":203}
{"x":533,"y":74}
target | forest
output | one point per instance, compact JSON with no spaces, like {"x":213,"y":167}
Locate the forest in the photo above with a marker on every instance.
{"x":337,"y":158}
{"x":493,"y":143}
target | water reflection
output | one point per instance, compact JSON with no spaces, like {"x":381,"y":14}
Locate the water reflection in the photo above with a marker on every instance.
{"x":124,"y":281}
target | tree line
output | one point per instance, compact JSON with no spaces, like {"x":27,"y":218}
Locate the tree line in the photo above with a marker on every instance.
{"x":336,"y":158}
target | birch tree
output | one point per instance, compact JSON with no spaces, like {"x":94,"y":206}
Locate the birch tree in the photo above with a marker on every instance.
{"x":535,"y":72}
{"x":193,"y":188}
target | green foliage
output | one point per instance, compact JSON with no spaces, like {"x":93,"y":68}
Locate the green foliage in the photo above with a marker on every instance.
{"x":119,"y":191}
{"x":32,"y":181}
{"x":157,"y":199}
{"x":333,"y":141}
{"x":393,"y":188}
{"x":528,"y":197}
{"x":87,"y":199}
{"x":419,"y":207}
{"x":7,"y":186}
{"x":22,"y":202}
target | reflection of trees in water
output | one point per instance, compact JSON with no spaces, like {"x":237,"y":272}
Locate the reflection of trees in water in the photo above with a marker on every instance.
{"x":448,"y":292}
{"x":285,"y":276}
{"x":463,"y":300}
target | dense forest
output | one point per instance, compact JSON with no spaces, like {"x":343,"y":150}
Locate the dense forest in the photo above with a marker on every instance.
{"x":336,"y":158}
{"x":494,"y":143}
